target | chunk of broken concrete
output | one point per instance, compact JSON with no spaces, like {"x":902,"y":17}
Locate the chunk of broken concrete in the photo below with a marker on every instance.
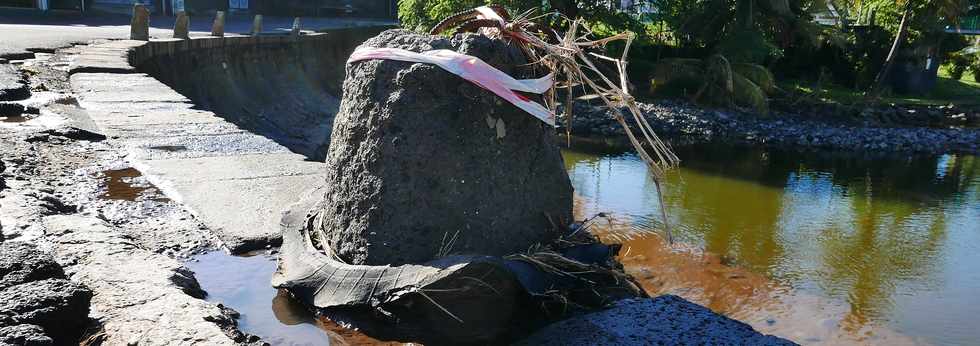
{"x":413,"y":171}
{"x":12,"y":85}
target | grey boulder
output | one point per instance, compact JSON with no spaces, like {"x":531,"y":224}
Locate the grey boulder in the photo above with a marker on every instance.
{"x":423,"y":163}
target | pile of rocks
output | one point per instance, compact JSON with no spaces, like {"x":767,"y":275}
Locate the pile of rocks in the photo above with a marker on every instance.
{"x":683,"y":123}
{"x":884,"y":114}
{"x":38,"y":305}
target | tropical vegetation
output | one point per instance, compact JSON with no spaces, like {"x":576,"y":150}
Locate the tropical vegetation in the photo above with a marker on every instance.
{"x":730,"y":53}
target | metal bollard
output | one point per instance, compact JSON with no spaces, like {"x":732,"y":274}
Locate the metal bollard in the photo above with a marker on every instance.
{"x":296,"y":27}
{"x":257,"y":25}
{"x":139,"y":27}
{"x":218,"y":28}
{"x":181,"y":29}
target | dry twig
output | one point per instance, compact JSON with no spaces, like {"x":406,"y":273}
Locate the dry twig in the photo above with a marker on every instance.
{"x":573,"y":62}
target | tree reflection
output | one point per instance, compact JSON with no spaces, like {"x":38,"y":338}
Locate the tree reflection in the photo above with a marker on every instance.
{"x":858,"y":229}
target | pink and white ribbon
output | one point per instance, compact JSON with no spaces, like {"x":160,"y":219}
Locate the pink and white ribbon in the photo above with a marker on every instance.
{"x":474,"y":70}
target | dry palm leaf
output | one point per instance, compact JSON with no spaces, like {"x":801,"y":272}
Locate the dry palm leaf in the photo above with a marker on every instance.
{"x":571,"y":57}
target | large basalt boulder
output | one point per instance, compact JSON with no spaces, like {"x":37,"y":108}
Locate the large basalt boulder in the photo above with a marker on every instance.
{"x":423,"y":163}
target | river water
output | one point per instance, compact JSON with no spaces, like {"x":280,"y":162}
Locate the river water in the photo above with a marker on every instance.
{"x":823,"y":249}
{"x":818,"y":248}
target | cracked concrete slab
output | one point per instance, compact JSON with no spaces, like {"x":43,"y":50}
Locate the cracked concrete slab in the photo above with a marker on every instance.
{"x":233,"y":167}
{"x":243,"y":213}
{"x":235,"y":181}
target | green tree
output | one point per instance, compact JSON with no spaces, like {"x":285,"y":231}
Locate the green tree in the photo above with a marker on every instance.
{"x":421,"y":15}
{"x":927,"y":16}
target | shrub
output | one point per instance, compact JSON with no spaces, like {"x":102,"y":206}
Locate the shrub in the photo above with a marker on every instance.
{"x":975,"y":68}
{"x":715,"y":81}
{"x":959,"y":63}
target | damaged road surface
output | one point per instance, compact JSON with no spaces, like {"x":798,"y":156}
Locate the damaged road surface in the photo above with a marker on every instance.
{"x":75,"y":266}
{"x":425,"y":223}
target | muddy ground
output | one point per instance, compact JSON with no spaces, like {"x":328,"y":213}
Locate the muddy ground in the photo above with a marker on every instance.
{"x":73,"y":195}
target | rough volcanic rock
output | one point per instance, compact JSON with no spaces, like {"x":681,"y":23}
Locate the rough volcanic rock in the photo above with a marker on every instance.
{"x":59,"y":306}
{"x":665,"y":320}
{"x":422,"y":162}
{"x":24,"y":335}
{"x":22,"y":262}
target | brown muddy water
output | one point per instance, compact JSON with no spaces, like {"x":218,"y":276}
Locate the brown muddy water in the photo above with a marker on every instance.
{"x":818,"y":248}
{"x":821,"y":249}
{"x":128,"y":184}
{"x":14,"y":119}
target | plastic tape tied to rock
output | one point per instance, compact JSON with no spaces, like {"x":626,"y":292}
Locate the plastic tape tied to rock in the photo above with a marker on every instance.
{"x":474,"y":70}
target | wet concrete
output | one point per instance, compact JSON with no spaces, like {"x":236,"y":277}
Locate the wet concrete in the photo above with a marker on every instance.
{"x":14,"y":119}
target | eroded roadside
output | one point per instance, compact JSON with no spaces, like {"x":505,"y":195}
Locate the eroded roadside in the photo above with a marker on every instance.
{"x":58,"y":196}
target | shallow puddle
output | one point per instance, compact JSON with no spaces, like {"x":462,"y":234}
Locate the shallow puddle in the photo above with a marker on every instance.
{"x":821,"y":249}
{"x":127,"y":185}
{"x":14,"y":119}
{"x":169,"y":148}
{"x":243,"y":283}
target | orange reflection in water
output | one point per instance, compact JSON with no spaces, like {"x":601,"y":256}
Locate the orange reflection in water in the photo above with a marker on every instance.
{"x":727,"y":288}
{"x":819,"y":249}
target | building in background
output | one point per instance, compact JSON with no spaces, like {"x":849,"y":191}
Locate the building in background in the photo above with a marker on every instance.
{"x":43,"y":5}
{"x":292,"y":8}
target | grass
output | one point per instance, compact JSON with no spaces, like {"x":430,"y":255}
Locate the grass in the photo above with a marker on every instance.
{"x":947,"y":91}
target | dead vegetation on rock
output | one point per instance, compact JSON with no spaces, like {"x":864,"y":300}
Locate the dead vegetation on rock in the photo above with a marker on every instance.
{"x":445,"y":206}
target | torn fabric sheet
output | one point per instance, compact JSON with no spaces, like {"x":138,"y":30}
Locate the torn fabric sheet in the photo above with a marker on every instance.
{"x":474,"y":70}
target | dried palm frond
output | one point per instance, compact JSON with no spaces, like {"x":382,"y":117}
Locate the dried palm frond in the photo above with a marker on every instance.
{"x":573,"y":60}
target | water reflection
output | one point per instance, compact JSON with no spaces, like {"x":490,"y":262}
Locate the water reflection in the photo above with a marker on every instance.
{"x":819,"y":248}
{"x":242,"y":283}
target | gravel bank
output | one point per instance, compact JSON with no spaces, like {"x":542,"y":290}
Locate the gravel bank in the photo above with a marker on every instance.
{"x":682,"y":124}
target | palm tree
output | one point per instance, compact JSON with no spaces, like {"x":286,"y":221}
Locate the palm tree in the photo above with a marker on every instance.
{"x":717,"y":81}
